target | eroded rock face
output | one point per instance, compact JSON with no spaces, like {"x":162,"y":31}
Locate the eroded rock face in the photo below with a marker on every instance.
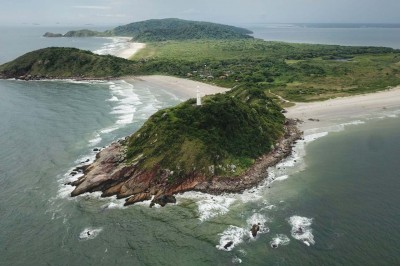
{"x":112,"y":175}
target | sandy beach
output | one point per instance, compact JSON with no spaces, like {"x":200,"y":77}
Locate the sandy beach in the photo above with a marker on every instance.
{"x":121,"y":47}
{"x":317,"y":115}
{"x":131,"y":50}
{"x":184,"y":88}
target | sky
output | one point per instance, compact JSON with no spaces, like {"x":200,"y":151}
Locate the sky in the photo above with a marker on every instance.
{"x":235,"y":12}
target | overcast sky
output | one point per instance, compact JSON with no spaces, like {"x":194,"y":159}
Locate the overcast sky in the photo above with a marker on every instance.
{"x":107,"y":12}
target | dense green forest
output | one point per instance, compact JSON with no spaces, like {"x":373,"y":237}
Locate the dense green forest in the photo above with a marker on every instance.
{"x":57,"y":62}
{"x":228,"y":131}
{"x":177,"y":29}
{"x":155,"y":30}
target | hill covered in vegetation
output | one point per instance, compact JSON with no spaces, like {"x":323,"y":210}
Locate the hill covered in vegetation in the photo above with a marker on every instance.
{"x":223,"y":145}
{"x":177,"y":29}
{"x":57,"y":62}
{"x":155,"y":30}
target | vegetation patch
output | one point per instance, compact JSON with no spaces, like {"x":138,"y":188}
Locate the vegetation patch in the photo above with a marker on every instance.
{"x":319,"y":71}
{"x":222,"y":137}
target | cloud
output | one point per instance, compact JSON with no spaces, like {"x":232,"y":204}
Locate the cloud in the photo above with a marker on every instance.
{"x":92,"y":7}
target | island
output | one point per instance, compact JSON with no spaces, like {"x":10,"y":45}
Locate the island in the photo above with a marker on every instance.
{"x":226,"y":143}
{"x":164,"y":30}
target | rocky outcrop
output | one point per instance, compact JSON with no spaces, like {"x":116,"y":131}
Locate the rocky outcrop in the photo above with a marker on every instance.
{"x":113,"y":175}
{"x":163,"y":200}
{"x":254,"y":229}
{"x":52,"y":35}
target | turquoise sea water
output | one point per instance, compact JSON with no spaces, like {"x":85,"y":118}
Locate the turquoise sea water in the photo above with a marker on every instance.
{"x":344,"y":193}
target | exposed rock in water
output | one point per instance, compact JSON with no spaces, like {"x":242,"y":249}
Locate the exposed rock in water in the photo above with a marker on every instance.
{"x":254,"y":229}
{"x":52,"y":35}
{"x":138,"y":198}
{"x":163,"y":200}
{"x":227,"y":245}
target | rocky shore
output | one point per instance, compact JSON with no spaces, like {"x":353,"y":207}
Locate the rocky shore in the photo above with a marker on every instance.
{"x":112,"y":175}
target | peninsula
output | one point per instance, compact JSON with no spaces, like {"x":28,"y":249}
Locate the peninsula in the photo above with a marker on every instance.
{"x":227,"y":143}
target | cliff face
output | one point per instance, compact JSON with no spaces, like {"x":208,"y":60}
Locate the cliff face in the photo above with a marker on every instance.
{"x":225,"y":145}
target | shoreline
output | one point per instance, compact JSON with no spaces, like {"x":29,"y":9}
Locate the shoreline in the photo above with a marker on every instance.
{"x":129,"y":50}
{"x":183,"y":88}
{"x":317,"y":116}
{"x":111,"y":176}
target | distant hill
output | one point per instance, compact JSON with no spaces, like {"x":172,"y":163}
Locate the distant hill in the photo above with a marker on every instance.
{"x":156,"y":30}
{"x":178,"y":29}
{"x":65,"y":63}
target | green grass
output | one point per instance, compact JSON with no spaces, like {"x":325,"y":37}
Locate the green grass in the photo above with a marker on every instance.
{"x":297,"y":72}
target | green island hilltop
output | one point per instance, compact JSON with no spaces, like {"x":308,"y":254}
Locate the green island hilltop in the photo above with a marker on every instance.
{"x":226,"y":143}
{"x":164,"y":30}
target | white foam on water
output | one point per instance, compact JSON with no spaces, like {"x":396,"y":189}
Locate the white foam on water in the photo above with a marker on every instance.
{"x":259,"y":219}
{"x":113,"y":203}
{"x":293,"y":163}
{"x":232,"y":234}
{"x":209,"y":206}
{"x":64,"y":191}
{"x":236,"y":260}
{"x":96,"y":140}
{"x":279,"y":240}
{"x":250,"y":195}
{"x":282,"y":178}
{"x":301,"y":229}
{"x":242,"y":252}
{"x":90,"y":233}
{"x":112,"y":48}
{"x":127,"y":101}
{"x":113,"y":99}
{"x":268,"y":207}
{"x":353,"y":123}
{"x":108,"y":130}
{"x":235,"y":235}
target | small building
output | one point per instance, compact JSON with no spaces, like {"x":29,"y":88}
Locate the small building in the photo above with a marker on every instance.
{"x":198,"y":101}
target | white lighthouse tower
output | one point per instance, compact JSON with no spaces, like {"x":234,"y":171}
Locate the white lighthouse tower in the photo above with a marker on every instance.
{"x":198,"y":102}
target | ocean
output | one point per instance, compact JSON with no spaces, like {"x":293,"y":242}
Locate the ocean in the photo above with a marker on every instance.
{"x":341,"y":188}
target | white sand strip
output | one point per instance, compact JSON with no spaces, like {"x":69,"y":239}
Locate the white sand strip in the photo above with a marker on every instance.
{"x":185,"y":88}
{"x":339,"y":110}
{"x":131,"y":50}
